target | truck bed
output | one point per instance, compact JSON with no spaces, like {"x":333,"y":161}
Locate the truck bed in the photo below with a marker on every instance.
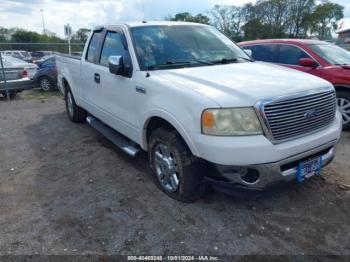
{"x":68,"y":65}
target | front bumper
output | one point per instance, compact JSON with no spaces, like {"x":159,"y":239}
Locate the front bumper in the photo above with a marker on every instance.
{"x":253,"y":150}
{"x":262,"y":176}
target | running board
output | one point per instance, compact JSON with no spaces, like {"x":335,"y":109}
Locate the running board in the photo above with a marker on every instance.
{"x":119,"y":140}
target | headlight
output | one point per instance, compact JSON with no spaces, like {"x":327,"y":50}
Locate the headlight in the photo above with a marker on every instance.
{"x":231,"y":122}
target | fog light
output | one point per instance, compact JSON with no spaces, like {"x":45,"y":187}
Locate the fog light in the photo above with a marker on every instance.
{"x":251,"y":177}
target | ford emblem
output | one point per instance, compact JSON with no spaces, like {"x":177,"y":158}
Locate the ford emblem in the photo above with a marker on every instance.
{"x":310,"y":114}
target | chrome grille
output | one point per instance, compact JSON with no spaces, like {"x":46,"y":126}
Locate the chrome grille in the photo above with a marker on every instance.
{"x":291,"y":117}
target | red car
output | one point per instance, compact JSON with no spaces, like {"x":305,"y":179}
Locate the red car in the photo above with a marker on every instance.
{"x":319,"y":58}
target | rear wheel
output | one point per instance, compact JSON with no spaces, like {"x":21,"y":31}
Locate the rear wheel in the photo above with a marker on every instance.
{"x":343,"y":102}
{"x":176,"y":171}
{"x":12,"y":94}
{"x":75,"y":113}
{"x":46,"y":84}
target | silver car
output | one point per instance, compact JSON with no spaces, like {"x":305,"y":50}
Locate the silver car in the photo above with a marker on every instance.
{"x":20,"y":54}
{"x":18,"y":76}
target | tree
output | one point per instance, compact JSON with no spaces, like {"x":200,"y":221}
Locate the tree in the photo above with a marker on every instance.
{"x":274,"y":14}
{"x":3,"y":34}
{"x":299,"y":23}
{"x":81,"y":35}
{"x":187,"y":17}
{"x":229,"y":20}
{"x":324,"y":19}
{"x":254,"y":29}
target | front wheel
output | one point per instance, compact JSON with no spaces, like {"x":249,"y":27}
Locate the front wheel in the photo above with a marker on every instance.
{"x":176,"y":171}
{"x":343,"y":102}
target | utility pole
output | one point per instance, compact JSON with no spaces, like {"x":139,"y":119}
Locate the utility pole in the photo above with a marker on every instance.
{"x":42,"y":19}
{"x":143,"y":10}
{"x":68,"y":33}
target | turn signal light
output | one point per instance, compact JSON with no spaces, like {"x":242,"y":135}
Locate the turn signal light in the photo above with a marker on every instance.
{"x":208,"y":119}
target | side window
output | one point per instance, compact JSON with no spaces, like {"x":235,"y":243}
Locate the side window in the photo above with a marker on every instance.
{"x":112,"y":46}
{"x":49,"y":62}
{"x":93,"y":46}
{"x":290,"y":55}
{"x":263,"y":53}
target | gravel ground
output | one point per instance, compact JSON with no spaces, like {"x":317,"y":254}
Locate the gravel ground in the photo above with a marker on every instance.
{"x":64,"y":189}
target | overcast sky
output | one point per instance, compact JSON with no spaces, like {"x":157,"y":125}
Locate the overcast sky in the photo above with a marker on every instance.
{"x":88,"y":13}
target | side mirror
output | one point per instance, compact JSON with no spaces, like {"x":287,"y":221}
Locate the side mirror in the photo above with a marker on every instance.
{"x":116,"y":65}
{"x":307,"y":62}
{"x":248,"y":52}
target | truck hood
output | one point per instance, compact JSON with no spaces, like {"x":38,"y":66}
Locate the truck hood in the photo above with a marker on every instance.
{"x":242,"y":84}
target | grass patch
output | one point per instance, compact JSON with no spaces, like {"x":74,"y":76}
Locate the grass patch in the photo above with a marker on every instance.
{"x":38,"y":94}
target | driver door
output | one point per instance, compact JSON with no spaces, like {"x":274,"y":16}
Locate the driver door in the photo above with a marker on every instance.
{"x":114,"y":94}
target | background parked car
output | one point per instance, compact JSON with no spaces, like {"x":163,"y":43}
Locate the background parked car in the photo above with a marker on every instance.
{"x":46,"y":76}
{"x":319,"y":58}
{"x":41,"y":60}
{"x":16,"y":75}
{"x":30,"y":69}
{"x":20,"y":54}
{"x":38,"y":55}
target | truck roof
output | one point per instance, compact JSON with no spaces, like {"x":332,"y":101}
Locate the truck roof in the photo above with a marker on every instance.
{"x":149,"y":23}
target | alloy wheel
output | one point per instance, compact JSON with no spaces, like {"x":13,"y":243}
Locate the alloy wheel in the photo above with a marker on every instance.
{"x":344,"y":107}
{"x":45,"y":84}
{"x":166,"y":167}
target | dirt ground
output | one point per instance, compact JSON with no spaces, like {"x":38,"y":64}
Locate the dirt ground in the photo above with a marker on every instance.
{"x":64,"y":189}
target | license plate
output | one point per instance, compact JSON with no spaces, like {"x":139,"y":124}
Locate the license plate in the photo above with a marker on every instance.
{"x":309,"y":168}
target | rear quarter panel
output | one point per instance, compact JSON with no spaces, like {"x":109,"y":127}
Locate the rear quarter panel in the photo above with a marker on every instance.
{"x":69,"y":70}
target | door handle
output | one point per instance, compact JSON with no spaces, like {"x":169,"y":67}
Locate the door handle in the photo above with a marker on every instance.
{"x":140,"y":89}
{"x":97,"y":78}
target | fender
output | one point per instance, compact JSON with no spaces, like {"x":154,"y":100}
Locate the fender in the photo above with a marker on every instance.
{"x":161,"y":113}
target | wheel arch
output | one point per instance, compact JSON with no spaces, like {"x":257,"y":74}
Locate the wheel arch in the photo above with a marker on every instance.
{"x":65,"y":85}
{"x":161,"y":119}
{"x":340,"y":87}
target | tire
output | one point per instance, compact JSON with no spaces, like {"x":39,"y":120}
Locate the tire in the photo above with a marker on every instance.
{"x":343,"y":102}
{"x":12,"y":94}
{"x":186,"y":182}
{"x":46,"y":84}
{"x":75,"y":113}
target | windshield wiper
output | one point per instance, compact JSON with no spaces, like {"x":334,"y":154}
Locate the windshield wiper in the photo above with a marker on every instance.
{"x":179,"y":63}
{"x":230,"y":60}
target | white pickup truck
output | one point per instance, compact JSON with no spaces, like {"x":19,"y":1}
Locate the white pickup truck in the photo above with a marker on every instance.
{"x":199,"y":105}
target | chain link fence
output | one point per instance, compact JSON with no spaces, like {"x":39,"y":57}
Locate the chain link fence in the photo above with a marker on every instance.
{"x":12,"y":76}
{"x":31,"y":47}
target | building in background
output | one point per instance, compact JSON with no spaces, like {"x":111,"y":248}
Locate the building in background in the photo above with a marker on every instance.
{"x":343,"y":31}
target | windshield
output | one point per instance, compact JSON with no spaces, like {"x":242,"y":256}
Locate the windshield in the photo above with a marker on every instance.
{"x":45,"y":57}
{"x":159,"y":47}
{"x":12,"y":60}
{"x":24,"y":54}
{"x":332,"y":53}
